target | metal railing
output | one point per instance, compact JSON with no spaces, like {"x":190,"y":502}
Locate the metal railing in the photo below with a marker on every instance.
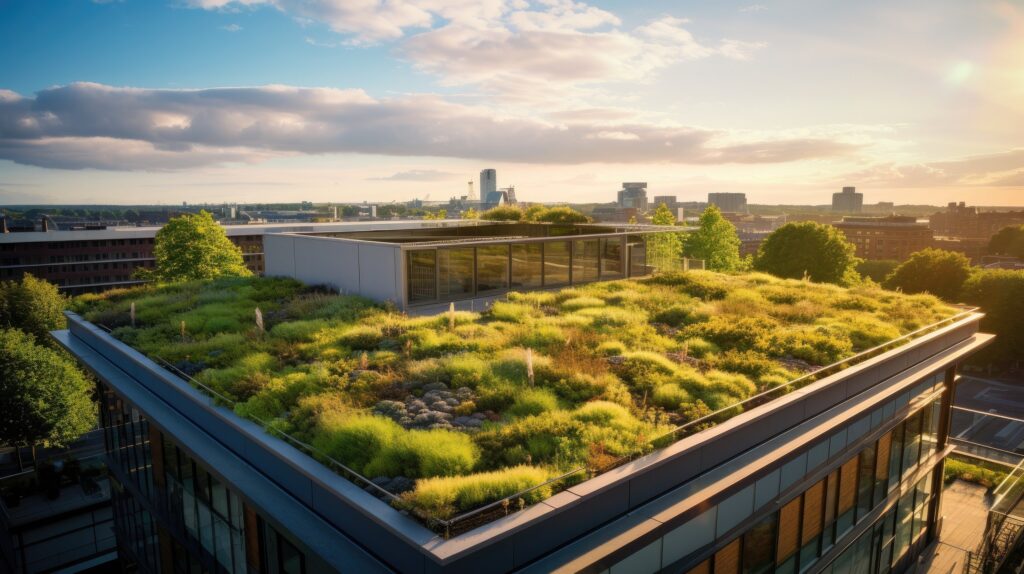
{"x":470,"y":519}
{"x":1003,"y":526}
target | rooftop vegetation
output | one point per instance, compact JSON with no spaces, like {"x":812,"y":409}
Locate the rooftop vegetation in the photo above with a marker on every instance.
{"x":460,"y":409}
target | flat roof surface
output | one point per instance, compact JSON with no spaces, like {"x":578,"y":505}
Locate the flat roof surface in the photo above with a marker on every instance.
{"x":543,"y":384}
{"x":473,"y":231}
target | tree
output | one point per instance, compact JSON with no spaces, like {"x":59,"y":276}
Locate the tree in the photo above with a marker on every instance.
{"x":533,"y":212}
{"x":819,"y":252}
{"x":716,"y":242}
{"x":194,"y":246}
{"x":470,"y":214}
{"x":1008,"y":241}
{"x":664,"y":250}
{"x":44,"y":398}
{"x":941,"y":273}
{"x":563,"y":214}
{"x":1000,"y":294}
{"x":502,"y":213}
{"x":32,"y":305}
{"x":877,"y":269}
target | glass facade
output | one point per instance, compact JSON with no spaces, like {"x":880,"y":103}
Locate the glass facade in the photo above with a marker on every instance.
{"x":794,"y":538}
{"x":452,"y":273}
{"x":172,"y":515}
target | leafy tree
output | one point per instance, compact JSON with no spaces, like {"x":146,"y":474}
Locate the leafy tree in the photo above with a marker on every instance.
{"x":33,"y":305}
{"x":664,"y":249}
{"x":1008,"y":241}
{"x":563,"y":214}
{"x":1000,"y":294}
{"x":44,"y":398}
{"x":439,"y":214}
{"x":193,"y":246}
{"x":877,"y":269}
{"x":470,"y":214}
{"x":819,"y":252}
{"x":632,"y":220}
{"x":941,"y":273}
{"x":502,"y":213}
{"x":716,"y":242}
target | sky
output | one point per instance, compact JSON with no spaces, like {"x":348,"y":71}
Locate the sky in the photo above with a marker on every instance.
{"x":164,"y":101}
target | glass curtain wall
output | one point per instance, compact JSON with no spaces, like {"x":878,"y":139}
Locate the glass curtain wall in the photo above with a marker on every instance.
{"x":422,"y":275}
{"x":611,"y":258}
{"x":556,"y":263}
{"x":585,"y":260}
{"x":491,"y":268}
{"x":793,"y":539}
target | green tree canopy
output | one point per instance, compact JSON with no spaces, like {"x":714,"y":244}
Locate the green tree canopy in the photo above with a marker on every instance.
{"x":716,"y":242}
{"x":44,"y":398}
{"x":32,"y":305}
{"x":819,"y":251}
{"x":561,"y":214}
{"x":941,"y":273}
{"x":533,"y":212}
{"x":194,"y":246}
{"x":502,"y":213}
{"x":1000,"y":294}
{"x":877,"y":269}
{"x":1008,"y":241}
{"x":470,"y":214}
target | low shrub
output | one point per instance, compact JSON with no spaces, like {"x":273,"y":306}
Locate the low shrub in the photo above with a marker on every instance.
{"x":577,"y":303}
{"x":425,"y":453}
{"x":533,"y":402}
{"x":670,"y":396}
{"x":444,"y":497}
{"x":355,"y":440}
{"x":361,"y":338}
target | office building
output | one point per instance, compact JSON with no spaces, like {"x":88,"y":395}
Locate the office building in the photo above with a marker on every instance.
{"x":668,"y":201}
{"x":963,"y":221}
{"x":893,"y":237}
{"x":488,"y":183}
{"x":848,"y":201}
{"x":90,"y":260}
{"x":729,"y":202}
{"x":837,"y":472}
{"x":633,"y":195}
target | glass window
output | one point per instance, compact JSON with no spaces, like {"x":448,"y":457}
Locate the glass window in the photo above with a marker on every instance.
{"x":637,"y":258}
{"x":814,"y":498}
{"x":422,"y":269}
{"x":911,"y":442}
{"x":831,"y":492}
{"x":491,"y":268}
{"x":904,"y":516}
{"x":611,"y":258}
{"x":757,"y":546}
{"x":865,"y":481}
{"x":929,"y":430}
{"x":527,"y":265}
{"x":455,"y":272}
{"x":556,"y":263}
{"x":896,"y":455}
{"x":584,"y":261}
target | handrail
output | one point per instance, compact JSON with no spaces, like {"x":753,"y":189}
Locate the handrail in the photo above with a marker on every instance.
{"x":583,"y":472}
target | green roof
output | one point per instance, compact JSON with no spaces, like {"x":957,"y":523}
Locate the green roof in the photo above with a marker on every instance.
{"x":458,"y":410}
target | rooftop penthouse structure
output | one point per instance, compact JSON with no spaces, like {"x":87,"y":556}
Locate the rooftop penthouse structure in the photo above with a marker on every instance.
{"x":461,"y":261}
{"x":685,"y":422}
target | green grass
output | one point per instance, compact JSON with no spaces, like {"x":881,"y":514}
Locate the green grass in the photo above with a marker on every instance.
{"x":447,"y":402}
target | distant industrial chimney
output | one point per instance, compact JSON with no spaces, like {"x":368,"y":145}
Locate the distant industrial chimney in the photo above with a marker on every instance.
{"x":46,"y":225}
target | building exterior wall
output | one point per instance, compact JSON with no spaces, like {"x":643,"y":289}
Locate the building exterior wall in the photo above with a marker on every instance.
{"x":682,"y":507}
{"x":885,"y":240}
{"x":729,"y":202}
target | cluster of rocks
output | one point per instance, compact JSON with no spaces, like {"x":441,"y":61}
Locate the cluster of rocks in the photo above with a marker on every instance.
{"x":435,"y":409}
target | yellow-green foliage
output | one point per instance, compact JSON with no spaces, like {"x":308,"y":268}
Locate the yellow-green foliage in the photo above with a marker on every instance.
{"x":614,"y":365}
{"x":443,"y":497}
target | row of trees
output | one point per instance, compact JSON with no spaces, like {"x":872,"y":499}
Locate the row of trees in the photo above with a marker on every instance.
{"x":533,"y":214}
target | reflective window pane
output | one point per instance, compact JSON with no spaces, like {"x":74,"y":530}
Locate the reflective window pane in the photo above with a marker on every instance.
{"x":455,"y":272}
{"x":491,"y":268}
{"x":526,"y":265}
{"x":422,"y":278}
{"x":556,"y":263}
{"x":757,"y":546}
{"x":584,"y":261}
{"x":611,"y":258}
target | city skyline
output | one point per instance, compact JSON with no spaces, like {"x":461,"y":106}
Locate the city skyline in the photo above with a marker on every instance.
{"x":916,"y":103}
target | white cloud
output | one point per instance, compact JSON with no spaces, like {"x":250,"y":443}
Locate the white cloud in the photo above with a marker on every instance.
{"x":92,"y":125}
{"x":1000,"y":169}
{"x":231,"y":28}
{"x":753,"y":8}
{"x":418,"y":175}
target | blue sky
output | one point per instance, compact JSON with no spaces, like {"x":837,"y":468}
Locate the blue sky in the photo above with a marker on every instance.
{"x":333,"y":100}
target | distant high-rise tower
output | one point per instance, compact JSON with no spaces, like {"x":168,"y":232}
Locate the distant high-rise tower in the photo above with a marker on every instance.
{"x":633,"y":195}
{"x":729,"y":202}
{"x":488,"y":183}
{"x":848,"y":201}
